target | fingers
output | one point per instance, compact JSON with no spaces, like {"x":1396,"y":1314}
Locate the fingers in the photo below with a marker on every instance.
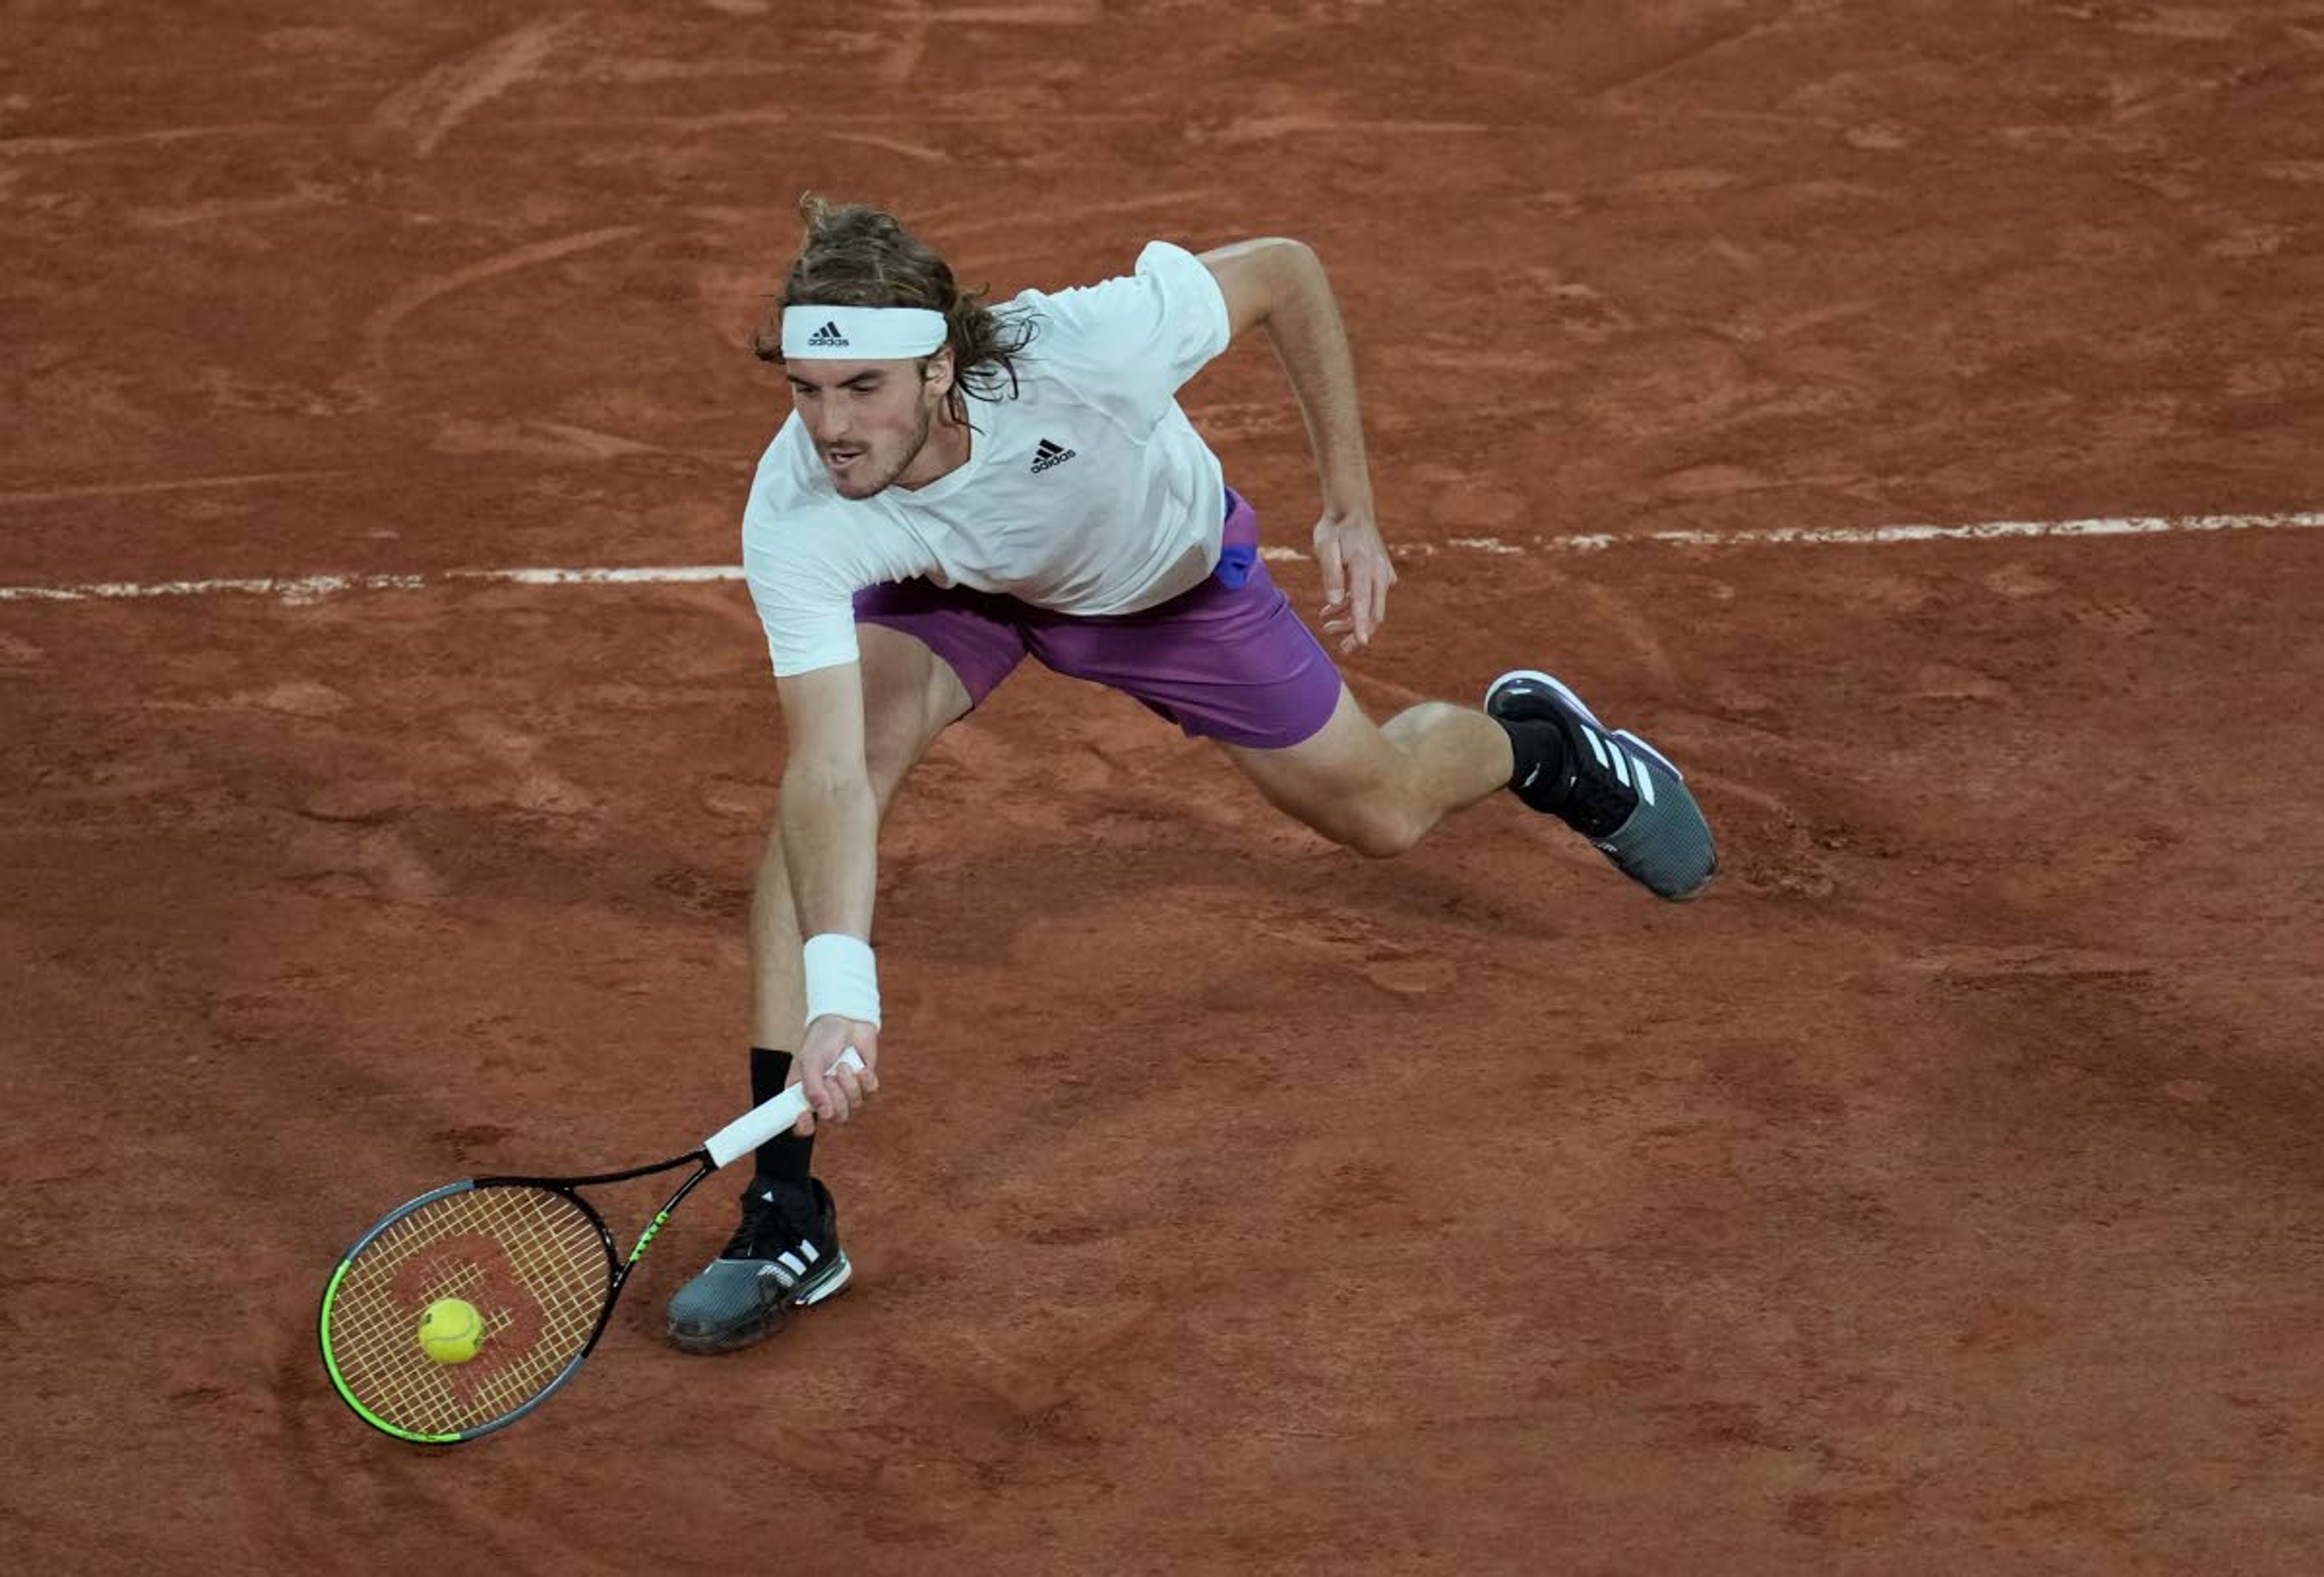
{"x":1335,"y":578}
{"x":848,"y":1088}
{"x":835,"y":1091}
{"x":1356,"y":615}
{"x":826,"y":1097}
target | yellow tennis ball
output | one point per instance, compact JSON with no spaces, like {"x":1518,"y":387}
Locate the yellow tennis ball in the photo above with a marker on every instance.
{"x":450,"y":1329}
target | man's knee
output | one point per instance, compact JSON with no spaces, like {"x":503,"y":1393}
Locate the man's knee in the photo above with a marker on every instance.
{"x":1378,"y":831}
{"x":889,"y":753}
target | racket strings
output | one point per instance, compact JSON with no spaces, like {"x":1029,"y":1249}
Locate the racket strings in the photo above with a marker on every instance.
{"x":530,"y":1260}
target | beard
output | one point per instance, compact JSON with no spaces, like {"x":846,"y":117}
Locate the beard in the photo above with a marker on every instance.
{"x":866,"y":477}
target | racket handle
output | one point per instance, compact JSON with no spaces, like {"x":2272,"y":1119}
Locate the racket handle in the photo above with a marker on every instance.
{"x":760,"y":1123}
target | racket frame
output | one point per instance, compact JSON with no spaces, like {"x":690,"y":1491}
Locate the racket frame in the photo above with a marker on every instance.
{"x":729,"y":1144}
{"x":617,"y":1266}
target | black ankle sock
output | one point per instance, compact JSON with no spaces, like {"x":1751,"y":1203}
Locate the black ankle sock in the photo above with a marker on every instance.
{"x":786,"y":1156}
{"x":1538,"y":748}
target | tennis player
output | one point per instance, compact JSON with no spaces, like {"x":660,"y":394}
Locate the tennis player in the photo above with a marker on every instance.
{"x":960,"y":487}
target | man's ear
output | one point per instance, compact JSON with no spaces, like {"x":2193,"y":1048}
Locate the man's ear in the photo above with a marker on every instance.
{"x":938,"y":370}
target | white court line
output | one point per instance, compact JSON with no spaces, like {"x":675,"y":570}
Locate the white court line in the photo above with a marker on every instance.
{"x":308,"y":588}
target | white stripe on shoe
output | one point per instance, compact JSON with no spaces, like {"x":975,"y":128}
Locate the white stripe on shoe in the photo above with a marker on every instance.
{"x":838,"y":1276}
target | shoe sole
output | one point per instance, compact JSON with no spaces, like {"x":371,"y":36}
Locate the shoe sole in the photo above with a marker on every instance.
{"x":769,"y":1320}
{"x":1566,"y":693}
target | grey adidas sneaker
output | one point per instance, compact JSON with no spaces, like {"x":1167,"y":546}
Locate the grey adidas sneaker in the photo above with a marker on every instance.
{"x":785,"y":1255}
{"x":1617,"y":790}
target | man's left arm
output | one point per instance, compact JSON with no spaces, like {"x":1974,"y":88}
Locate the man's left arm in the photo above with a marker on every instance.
{"x":1280,"y":285}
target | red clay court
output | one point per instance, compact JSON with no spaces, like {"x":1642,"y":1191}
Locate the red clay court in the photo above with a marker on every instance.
{"x":1943,"y":1194}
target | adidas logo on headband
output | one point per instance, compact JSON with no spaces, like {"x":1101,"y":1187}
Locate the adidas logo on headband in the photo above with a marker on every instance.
{"x":871,"y":334}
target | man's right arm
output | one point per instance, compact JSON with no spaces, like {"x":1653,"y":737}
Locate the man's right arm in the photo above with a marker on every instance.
{"x":830,"y":821}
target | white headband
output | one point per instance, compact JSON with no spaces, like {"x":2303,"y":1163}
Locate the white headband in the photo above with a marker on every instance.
{"x":861,"y":334}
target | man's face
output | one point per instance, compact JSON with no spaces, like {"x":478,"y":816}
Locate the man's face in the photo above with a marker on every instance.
{"x":869,"y":420}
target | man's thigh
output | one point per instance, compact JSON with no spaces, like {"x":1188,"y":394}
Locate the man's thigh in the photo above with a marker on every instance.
{"x":973,"y":634}
{"x":910,"y":696}
{"x":1229,"y":663}
{"x":1335,"y":779}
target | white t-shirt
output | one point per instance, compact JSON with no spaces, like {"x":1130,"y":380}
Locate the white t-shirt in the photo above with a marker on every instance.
{"x":1091,"y":492}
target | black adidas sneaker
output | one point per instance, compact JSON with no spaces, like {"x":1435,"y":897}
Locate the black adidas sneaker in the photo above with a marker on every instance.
{"x":1616,"y":791}
{"x":784,"y":1255}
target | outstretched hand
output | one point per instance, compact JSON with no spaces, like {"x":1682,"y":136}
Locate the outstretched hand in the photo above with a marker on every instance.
{"x":1356,"y":574}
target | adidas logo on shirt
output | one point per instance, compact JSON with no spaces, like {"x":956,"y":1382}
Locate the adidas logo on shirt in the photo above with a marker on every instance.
{"x":828,"y":337}
{"x":1049,"y":454}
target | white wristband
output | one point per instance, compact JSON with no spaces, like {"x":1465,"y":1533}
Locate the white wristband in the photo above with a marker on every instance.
{"x":842,"y":979}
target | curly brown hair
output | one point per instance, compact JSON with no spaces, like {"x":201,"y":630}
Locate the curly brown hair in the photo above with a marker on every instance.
{"x":852,"y":255}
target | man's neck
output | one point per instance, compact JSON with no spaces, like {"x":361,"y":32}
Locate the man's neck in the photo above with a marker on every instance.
{"x":947,"y":451}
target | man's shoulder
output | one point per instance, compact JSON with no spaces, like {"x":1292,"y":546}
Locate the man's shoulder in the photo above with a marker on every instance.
{"x":1156,"y":261}
{"x":1168,"y":301}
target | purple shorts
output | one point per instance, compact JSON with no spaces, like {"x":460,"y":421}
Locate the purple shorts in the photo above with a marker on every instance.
{"x":1227,"y":660}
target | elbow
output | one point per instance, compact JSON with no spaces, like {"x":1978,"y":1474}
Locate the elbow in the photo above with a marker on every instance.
{"x":1296,"y":279}
{"x":1292,"y":259}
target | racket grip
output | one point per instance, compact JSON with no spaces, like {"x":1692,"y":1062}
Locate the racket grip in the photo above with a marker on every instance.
{"x":760,"y":1123}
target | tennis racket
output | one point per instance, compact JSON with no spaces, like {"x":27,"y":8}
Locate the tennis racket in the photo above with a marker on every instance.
{"x":531,"y":1256}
